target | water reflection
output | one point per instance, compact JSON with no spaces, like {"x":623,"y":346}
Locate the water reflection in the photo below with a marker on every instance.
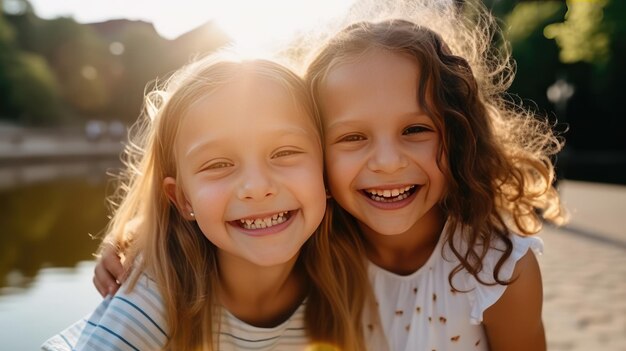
{"x":47,"y":213}
{"x":56,"y":298}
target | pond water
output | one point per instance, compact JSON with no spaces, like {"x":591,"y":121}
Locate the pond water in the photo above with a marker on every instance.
{"x":49,"y":216}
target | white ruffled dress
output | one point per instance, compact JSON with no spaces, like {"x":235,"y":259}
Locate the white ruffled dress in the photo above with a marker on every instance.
{"x":421,"y":311}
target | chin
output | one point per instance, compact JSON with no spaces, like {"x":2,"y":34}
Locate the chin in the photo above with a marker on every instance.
{"x":390,"y":230}
{"x":273,"y":258}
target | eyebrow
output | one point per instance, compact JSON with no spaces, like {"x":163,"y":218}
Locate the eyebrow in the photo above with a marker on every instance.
{"x":277,"y":133}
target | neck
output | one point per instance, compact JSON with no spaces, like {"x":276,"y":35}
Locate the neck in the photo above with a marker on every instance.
{"x":405,"y":253}
{"x":260,"y":296}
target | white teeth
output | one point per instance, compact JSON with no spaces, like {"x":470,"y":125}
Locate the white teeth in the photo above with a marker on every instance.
{"x":260,"y":223}
{"x":382,"y":199}
{"x":389,"y":195}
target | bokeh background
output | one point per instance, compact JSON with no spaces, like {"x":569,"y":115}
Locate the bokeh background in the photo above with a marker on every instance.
{"x":70,"y":86}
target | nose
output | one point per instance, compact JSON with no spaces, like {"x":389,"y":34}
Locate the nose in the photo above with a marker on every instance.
{"x":256,"y":184}
{"x":387,"y":157}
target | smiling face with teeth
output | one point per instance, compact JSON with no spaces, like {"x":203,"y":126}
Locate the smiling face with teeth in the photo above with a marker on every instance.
{"x":250,"y":169}
{"x":382,"y":149}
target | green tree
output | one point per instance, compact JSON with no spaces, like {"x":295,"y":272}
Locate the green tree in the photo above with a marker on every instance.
{"x":28,"y":88}
{"x":30,"y":91}
{"x":536,"y":56}
{"x":77,"y":56}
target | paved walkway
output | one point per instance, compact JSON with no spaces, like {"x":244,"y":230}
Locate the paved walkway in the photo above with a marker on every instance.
{"x":584,"y":271}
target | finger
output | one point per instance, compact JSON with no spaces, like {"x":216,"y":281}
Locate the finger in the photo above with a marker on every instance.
{"x":112,"y":264}
{"x":104,"y":280}
{"x":103,"y":291}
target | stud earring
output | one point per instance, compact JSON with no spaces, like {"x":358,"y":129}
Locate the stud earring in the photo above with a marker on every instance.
{"x":192,"y":214}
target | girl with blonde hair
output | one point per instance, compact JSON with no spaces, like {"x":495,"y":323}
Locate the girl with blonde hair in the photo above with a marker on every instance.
{"x":220,"y":206}
{"x":438,"y":178}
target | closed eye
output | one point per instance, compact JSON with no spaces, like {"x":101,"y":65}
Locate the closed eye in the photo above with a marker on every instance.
{"x":285,"y":153}
{"x":217,"y":166}
{"x":351,"y":138}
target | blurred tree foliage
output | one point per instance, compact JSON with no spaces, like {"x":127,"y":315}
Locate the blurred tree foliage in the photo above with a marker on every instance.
{"x":536,"y":56}
{"x":60,"y":71}
{"x":583,"y":43}
{"x":54,"y":71}
{"x":28,"y":88}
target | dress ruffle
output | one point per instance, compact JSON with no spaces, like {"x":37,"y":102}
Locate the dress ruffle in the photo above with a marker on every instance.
{"x":483,"y":296}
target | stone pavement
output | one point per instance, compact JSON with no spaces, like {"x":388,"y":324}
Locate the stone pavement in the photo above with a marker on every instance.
{"x":584,"y":271}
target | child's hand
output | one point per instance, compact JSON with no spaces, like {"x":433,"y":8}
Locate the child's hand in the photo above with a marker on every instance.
{"x":109,"y":273}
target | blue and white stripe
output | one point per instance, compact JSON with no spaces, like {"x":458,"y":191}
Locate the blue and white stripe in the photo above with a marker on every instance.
{"x":136,"y":320}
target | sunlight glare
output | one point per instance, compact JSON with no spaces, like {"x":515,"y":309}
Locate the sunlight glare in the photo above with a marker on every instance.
{"x":250,"y":23}
{"x":256,"y":26}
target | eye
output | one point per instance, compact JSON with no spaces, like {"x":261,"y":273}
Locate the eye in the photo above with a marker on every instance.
{"x":351,"y":138}
{"x":218,"y":165}
{"x":215,"y":165}
{"x":284,"y":153}
{"x":416,"y":129}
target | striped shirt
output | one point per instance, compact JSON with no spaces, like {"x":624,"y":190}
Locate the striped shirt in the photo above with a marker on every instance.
{"x":136,"y":320}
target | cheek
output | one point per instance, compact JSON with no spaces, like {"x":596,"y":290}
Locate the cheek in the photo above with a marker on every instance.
{"x":426,"y":154}
{"x":339,"y":167}
{"x":309,"y":179}
{"x":334,"y":179}
{"x":209,"y":197}
{"x":438,"y":169}
{"x":307,"y":184}
{"x":340,"y":175}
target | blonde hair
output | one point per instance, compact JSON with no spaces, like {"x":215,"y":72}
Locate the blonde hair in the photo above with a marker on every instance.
{"x":497,"y":153}
{"x":177,"y":255}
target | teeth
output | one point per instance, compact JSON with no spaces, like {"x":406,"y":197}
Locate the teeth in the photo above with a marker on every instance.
{"x":389,"y":195}
{"x":260,"y":223}
{"x":394,"y":199}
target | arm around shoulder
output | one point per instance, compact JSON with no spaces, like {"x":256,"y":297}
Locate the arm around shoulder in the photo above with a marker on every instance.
{"x":514,"y":321}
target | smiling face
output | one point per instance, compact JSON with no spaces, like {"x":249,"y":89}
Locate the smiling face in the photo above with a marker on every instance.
{"x":381,"y":148}
{"x":250,"y":167}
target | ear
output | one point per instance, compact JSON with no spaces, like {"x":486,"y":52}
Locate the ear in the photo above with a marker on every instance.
{"x":178,"y":198}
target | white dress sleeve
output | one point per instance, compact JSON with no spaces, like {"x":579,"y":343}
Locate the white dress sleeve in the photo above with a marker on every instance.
{"x":482,"y":296}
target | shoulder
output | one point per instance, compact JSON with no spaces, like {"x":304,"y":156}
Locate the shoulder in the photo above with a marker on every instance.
{"x":525,"y":286}
{"x":484,"y":291}
{"x":514,"y":321}
{"x":523,"y":251}
{"x":132,"y":318}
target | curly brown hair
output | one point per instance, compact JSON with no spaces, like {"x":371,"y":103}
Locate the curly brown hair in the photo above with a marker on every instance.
{"x":497,"y":153}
